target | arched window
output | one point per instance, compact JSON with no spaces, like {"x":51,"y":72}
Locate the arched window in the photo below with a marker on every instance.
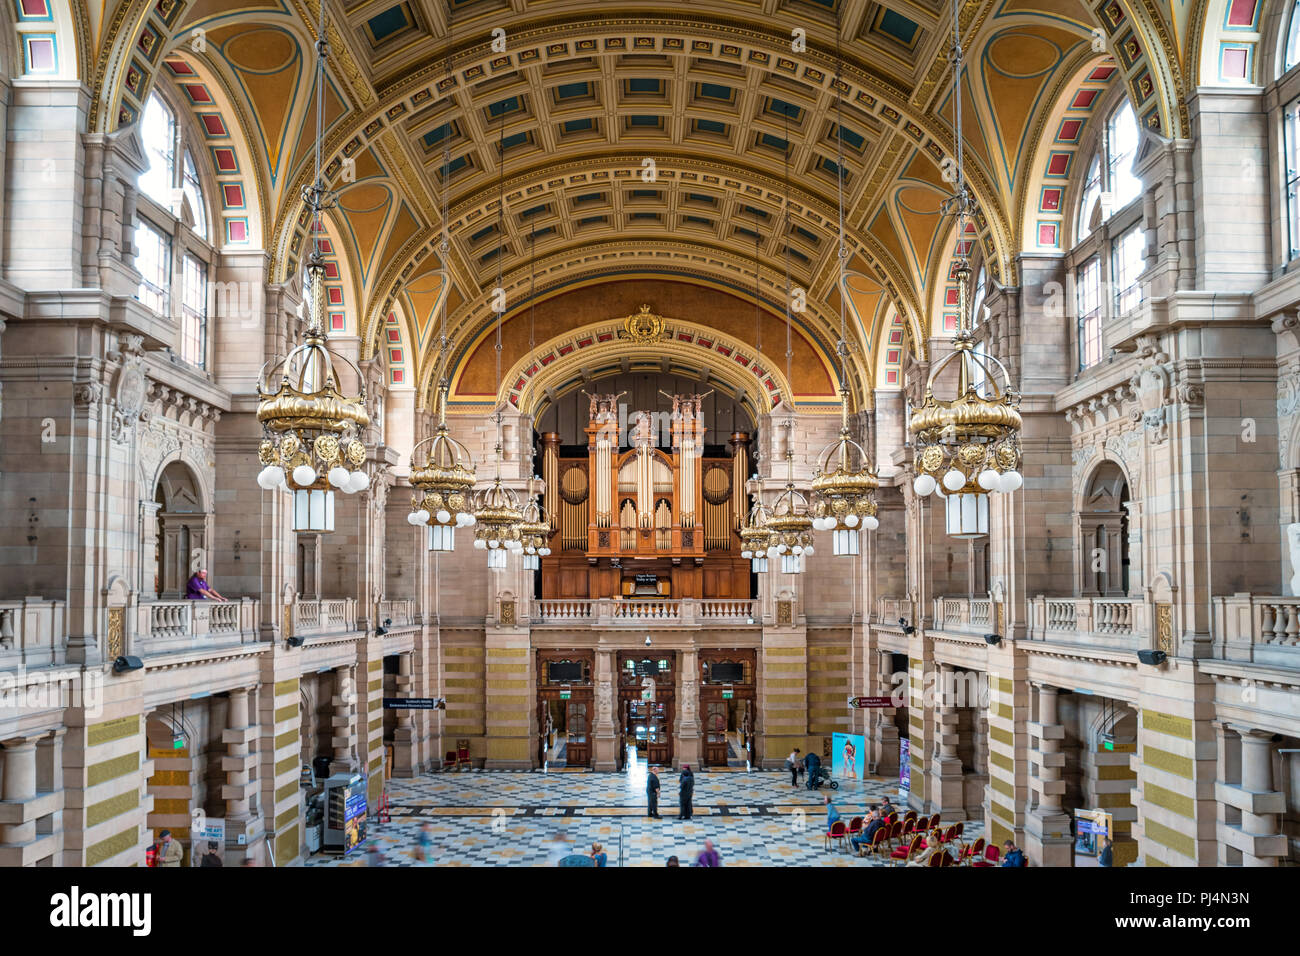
{"x":1090,"y":207}
{"x":1292,"y":55}
{"x":194,"y":193}
{"x":159,"y":134}
{"x":1121,"y":150}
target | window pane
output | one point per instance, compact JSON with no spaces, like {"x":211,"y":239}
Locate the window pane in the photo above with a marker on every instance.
{"x":1121,"y":144}
{"x":1291,"y":144}
{"x":1088,"y":297}
{"x":1126,"y":265}
{"x":977,"y":299}
{"x":1293,"y":39}
{"x":158,"y":131}
{"x":194,"y":193}
{"x":154,"y":260}
{"x":1091,"y":196}
{"x":194,"y":313}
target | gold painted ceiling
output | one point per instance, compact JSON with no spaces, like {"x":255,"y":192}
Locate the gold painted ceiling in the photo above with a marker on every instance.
{"x":644,"y":143}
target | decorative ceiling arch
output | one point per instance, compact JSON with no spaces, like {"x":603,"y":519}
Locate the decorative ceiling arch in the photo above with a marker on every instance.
{"x":1144,"y":48}
{"x":596,"y":350}
{"x":1224,"y":41}
{"x":44,"y":39}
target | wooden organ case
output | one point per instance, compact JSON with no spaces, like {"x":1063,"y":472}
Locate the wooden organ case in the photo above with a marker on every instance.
{"x":649,"y":515}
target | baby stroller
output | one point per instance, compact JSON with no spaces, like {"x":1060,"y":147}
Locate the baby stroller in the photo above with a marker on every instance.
{"x":818,"y":774}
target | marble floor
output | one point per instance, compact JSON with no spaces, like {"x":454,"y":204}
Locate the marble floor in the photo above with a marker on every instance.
{"x":502,"y":818}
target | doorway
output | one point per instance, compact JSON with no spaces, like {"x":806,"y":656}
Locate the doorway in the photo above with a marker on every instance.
{"x":565,"y":709}
{"x":729,"y":706}
{"x":647,"y":699}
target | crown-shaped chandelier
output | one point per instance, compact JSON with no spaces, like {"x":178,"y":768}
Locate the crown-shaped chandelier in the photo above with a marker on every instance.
{"x":966,"y":446}
{"x":442,"y":473}
{"x":311,"y":430}
{"x":755,"y":536}
{"x":498,"y":515}
{"x":534,"y":534}
{"x":789,"y":521}
{"x":844,"y":489}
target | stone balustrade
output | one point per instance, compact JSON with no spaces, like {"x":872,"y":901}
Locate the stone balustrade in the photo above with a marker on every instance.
{"x":167,"y":624}
{"x":324,"y":616}
{"x":890,"y":609}
{"x":1259,"y":629}
{"x":401,"y":612}
{"x":961,"y":613}
{"x":613,"y":613}
{"x":32,"y":632}
{"x":1108,"y":621}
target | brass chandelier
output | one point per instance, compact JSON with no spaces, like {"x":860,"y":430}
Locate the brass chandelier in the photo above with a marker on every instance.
{"x":535,"y":534}
{"x":844,"y":496}
{"x":789,"y":521}
{"x":967,"y":446}
{"x":443,"y":476}
{"x":756,"y":536}
{"x":311,"y":430}
{"x":497,"y":515}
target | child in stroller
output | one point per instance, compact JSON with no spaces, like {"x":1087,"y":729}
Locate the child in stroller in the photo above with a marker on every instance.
{"x":817,"y":774}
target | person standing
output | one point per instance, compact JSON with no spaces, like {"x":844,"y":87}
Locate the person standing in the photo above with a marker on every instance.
{"x":652,"y":794}
{"x":169,"y":851}
{"x":1106,"y":857}
{"x":685,"y":792}
{"x":794,"y":762}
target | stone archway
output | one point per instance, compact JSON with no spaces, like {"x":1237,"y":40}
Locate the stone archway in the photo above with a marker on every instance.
{"x":182,"y":532}
{"x":1102,"y":530}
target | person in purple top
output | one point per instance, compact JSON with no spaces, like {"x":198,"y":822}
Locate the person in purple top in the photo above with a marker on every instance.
{"x":198,"y":589}
{"x":709,"y":856}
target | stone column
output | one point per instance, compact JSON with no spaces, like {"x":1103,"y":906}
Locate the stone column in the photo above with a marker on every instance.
{"x":19,"y":786}
{"x":604,"y":732}
{"x":150,"y":572}
{"x":1260,"y":842}
{"x":405,"y":759}
{"x":344,"y":738}
{"x":884,"y":730}
{"x":686,"y":749}
{"x":239,"y":763}
{"x":946,"y":784}
{"x":1047,"y":827}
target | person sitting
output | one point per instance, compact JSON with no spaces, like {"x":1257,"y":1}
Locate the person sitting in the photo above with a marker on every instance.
{"x":933,"y":845}
{"x":886,"y":808}
{"x":198,"y":588}
{"x":832,"y":814}
{"x":598,"y":855}
{"x":709,"y":856}
{"x":672,"y":861}
{"x":862,"y":842}
{"x":1012,"y":855}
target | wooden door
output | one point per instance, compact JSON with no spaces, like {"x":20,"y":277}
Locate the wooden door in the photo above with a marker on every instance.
{"x":579,"y":746}
{"x":715,"y":734}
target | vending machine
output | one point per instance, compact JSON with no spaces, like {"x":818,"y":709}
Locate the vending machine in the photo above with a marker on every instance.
{"x":345,"y":812}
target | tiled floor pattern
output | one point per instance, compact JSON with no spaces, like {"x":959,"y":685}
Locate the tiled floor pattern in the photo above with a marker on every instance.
{"x":532,"y":819}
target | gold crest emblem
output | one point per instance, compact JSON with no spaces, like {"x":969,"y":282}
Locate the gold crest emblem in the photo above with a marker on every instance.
{"x":643,"y":328}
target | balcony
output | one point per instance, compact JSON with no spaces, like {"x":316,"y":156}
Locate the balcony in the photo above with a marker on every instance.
{"x":32,"y":632}
{"x":400,"y":612}
{"x":962,"y":614}
{"x":890,"y":609}
{"x":1257,"y":629}
{"x":608,"y":612}
{"x":1119,"y":623}
{"x":324,"y":616}
{"x":172,"y":625}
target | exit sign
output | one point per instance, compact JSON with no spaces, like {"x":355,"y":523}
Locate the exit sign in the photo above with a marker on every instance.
{"x":728,"y":692}
{"x":726,"y":695}
{"x":566,"y":694}
{"x":1108,"y":744}
{"x":178,"y":743}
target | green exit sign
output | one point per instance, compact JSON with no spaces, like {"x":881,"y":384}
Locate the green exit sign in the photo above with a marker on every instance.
{"x":178,"y":743}
{"x":1108,"y":744}
{"x":726,"y":695}
{"x":565,"y":695}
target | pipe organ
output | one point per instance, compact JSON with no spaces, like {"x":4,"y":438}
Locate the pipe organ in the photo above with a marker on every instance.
{"x":652,"y":505}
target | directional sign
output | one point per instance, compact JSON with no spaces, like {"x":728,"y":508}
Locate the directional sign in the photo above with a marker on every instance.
{"x":415,"y":703}
{"x":865,"y":702}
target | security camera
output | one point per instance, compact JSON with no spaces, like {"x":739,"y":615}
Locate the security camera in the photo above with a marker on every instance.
{"x":993,"y":638}
{"x":647,"y":640}
{"x":907,"y":628}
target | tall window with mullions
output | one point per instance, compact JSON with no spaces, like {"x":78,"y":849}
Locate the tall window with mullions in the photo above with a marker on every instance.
{"x":1087,"y":289}
{"x":194,"y":313}
{"x":1126,"y":265}
{"x":1291,"y":144}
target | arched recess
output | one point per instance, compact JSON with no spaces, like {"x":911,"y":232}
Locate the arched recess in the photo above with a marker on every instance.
{"x":1056,"y":167}
{"x":183,"y":527}
{"x":530,"y":382}
{"x":703,"y":320}
{"x":44,"y":39}
{"x":1102,"y":529}
{"x":1226,"y":42}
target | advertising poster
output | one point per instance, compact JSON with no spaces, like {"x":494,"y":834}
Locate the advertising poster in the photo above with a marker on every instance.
{"x":848,"y":756}
{"x":207,"y":843}
{"x":904,"y":764}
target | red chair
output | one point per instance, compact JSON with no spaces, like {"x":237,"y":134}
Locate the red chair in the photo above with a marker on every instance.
{"x":969,"y":853}
{"x":991,"y":854}
{"x":937,"y":858}
{"x":910,"y":815}
{"x":901,"y":855}
{"x":947,"y":860}
{"x":462,"y":752}
{"x":449,"y":763}
{"x":934,"y":822}
{"x":855,"y":827}
{"x":836,"y":832}
{"x":879,"y":842}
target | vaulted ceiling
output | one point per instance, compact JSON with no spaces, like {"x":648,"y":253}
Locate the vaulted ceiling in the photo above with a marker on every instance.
{"x":655,"y":142}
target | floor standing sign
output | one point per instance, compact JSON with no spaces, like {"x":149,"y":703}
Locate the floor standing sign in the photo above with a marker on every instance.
{"x":904,"y":765}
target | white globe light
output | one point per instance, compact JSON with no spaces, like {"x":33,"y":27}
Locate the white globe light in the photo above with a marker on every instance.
{"x":493,"y":543}
{"x":954,"y":480}
{"x":469,"y":519}
{"x":797,"y":549}
{"x":543,"y":551}
{"x":747,"y":554}
{"x":304,"y":475}
{"x":530,"y":550}
{"x":1010,"y":481}
{"x":808,"y":551}
{"x":850,"y":521}
{"x":828,"y":523}
{"x":780,"y":549}
{"x":422,"y":517}
{"x":772,"y":552}
{"x":359,"y":481}
{"x":515,"y":546}
{"x":267,"y":477}
{"x":924,"y":485}
{"x":413,"y":518}
{"x":988,"y":479}
{"x":338,"y":476}
{"x":480,"y":544}
{"x":871,"y":522}
{"x":443,"y":516}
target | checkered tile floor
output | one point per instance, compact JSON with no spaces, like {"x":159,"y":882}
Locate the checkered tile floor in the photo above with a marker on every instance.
{"x":485,"y":818}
